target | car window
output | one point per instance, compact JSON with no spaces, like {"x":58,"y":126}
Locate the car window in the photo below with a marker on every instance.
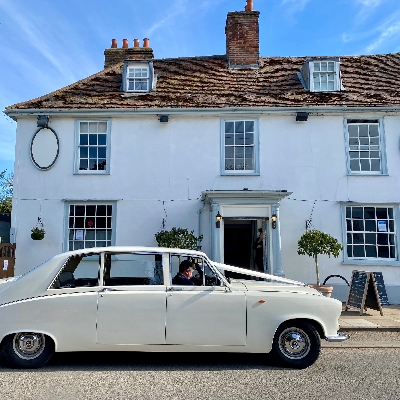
{"x":78,"y":271}
{"x":203,"y":274}
{"x":133,"y":269}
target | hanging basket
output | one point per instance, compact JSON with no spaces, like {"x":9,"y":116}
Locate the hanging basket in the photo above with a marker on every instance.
{"x":37,"y":234}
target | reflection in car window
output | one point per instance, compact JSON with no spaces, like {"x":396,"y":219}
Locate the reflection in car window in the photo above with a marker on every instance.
{"x":78,"y":271}
{"x":133,"y":269}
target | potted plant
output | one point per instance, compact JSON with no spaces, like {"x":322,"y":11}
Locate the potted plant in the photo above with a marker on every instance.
{"x":178,"y":238}
{"x":313,"y":243}
{"x":38,"y":232}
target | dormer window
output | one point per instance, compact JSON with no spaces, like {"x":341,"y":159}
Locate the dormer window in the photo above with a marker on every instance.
{"x":321,"y":75}
{"x":138,"y":79}
{"x":137,"y":76}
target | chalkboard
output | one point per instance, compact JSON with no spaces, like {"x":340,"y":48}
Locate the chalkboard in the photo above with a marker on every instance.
{"x":367,"y":290}
{"x":380,"y":286}
{"x":358,"y":285}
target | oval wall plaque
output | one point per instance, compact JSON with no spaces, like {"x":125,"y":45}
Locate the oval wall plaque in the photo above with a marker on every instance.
{"x":44,"y":148}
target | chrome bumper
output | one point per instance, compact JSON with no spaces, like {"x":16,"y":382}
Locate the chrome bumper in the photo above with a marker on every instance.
{"x":337,"y":338}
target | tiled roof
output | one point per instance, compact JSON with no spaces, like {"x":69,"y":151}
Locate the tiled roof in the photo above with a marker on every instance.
{"x":207,"y":82}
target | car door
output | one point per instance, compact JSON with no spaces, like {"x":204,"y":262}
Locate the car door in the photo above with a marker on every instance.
{"x":131,"y":303}
{"x":210,"y":314}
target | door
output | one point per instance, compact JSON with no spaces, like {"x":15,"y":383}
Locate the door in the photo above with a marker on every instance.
{"x":131,"y":304}
{"x":207,"y":315}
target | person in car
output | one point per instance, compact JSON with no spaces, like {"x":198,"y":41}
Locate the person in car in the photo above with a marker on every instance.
{"x":185,"y":273}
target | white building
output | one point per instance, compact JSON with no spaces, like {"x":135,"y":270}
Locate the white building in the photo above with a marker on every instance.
{"x":150,"y":143}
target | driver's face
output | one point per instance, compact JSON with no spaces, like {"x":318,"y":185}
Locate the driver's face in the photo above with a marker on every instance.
{"x":188,"y":272}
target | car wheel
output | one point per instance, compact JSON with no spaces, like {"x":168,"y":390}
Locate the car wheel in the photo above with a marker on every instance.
{"x":27,"y":349}
{"x":296,"y":345}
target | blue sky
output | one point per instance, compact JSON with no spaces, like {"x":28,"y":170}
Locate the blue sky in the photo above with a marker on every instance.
{"x":48,"y":44}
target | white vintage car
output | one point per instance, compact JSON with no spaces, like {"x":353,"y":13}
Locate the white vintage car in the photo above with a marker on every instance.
{"x":124,"y":299}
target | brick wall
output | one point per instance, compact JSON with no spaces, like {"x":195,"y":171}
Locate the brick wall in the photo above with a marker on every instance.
{"x":114,"y":56}
{"x":242,"y":38}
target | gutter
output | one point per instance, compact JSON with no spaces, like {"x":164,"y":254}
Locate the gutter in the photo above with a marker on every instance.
{"x":317,"y":110}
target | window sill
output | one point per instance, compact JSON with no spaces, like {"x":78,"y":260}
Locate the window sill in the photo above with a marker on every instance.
{"x":389,"y":263}
{"x":240,"y":174}
{"x":365,"y":174}
{"x":91,"y":173}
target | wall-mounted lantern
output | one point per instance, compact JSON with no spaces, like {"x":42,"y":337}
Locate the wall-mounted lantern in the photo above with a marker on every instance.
{"x":164,"y":118}
{"x":218,"y":218}
{"x":302,"y":116}
{"x":273,"y":219}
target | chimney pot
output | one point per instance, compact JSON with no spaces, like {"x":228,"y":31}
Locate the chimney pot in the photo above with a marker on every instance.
{"x":135,"y":42}
{"x":124,"y":43}
{"x":114,"y":43}
{"x":146,"y":42}
{"x":249,"y":5}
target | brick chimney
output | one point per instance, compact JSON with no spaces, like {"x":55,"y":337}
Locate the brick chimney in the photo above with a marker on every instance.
{"x":242,"y":38}
{"x":115,"y":55}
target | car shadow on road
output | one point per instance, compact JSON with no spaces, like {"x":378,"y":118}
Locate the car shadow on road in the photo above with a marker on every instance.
{"x":138,"y":361}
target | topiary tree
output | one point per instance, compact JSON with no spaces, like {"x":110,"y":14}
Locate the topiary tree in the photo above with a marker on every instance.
{"x":314,"y":242}
{"x":178,"y":238}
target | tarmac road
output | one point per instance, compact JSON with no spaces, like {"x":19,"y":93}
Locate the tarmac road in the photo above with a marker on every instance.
{"x":340,"y":373}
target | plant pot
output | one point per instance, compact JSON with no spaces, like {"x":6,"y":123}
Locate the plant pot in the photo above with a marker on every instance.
{"x":326,"y":290}
{"x":37,"y":236}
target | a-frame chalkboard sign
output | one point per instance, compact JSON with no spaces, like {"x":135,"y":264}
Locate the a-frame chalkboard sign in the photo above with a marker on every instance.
{"x":367,"y":290}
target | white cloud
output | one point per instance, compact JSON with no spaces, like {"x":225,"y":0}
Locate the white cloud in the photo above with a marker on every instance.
{"x":295,"y":5}
{"x":370,"y":3}
{"x":387,"y":33}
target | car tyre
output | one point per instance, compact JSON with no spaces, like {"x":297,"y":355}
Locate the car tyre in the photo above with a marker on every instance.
{"x":296,"y":344}
{"x":28,"y":349}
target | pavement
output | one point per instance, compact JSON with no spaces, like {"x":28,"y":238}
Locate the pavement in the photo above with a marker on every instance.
{"x":371,"y":320}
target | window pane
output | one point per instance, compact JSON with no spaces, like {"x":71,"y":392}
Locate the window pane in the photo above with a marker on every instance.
{"x":375,"y":165}
{"x":249,"y":126}
{"x":239,"y":152}
{"x":392,"y":252}
{"x":229,"y":152}
{"x":102,"y":140}
{"x":382,"y":238}
{"x":90,"y":211}
{"x":84,"y":127}
{"x":373,"y":131}
{"x":358,"y":213}
{"x":370,"y":251}
{"x":83,"y":152}
{"x":239,"y":165}
{"x":370,"y":238}
{"x":249,"y":138}
{"x":102,"y":152}
{"x":349,"y":251}
{"x":249,"y":164}
{"x":93,"y":164}
{"x":102,"y":165}
{"x":229,"y":139}
{"x":93,"y":140}
{"x":370,"y":226}
{"x":358,"y":251}
{"x":354,"y":165}
{"x":249,"y":152}
{"x":358,"y":238}
{"x":229,"y":127}
{"x":369,"y":213}
{"x":364,"y":165}
{"x":93,"y":152}
{"x":348,"y":212}
{"x":83,"y":140}
{"x":381,"y":213}
{"x":363,"y":130}
{"x":80,"y":210}
{"x":239,"y":139}
{"x":239,"y":127}
{"x":349,"y":238}
{"x":92,"y":127}
{"x":358,"y":225}
{"x":383,"y":251}
{"x":353,"y":131}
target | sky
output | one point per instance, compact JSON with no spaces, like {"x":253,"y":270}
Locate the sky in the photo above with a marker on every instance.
{"x":49,"y":44}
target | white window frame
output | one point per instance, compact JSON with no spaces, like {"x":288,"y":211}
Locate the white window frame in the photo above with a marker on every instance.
{"x":255,"y":146}
{"x":134,"y":67}
{"x":335,"y":72}
{"x":69,"y":229}
{"x":366,"y":148}
{"x":79,"y":145}
{"x":354,"y":260}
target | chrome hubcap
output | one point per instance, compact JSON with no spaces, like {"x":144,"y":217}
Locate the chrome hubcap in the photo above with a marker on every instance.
{"x":294,"y":343}
{"x":28,"y":345}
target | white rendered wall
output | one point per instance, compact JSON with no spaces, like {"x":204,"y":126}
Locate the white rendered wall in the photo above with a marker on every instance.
{"x":158,"y":170}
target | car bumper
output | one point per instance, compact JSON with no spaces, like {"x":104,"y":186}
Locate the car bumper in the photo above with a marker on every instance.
{"x":337,"y":338}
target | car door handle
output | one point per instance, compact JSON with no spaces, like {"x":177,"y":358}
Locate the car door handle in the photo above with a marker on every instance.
{"x":107,"y":290}
{"x":174,"y":289}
